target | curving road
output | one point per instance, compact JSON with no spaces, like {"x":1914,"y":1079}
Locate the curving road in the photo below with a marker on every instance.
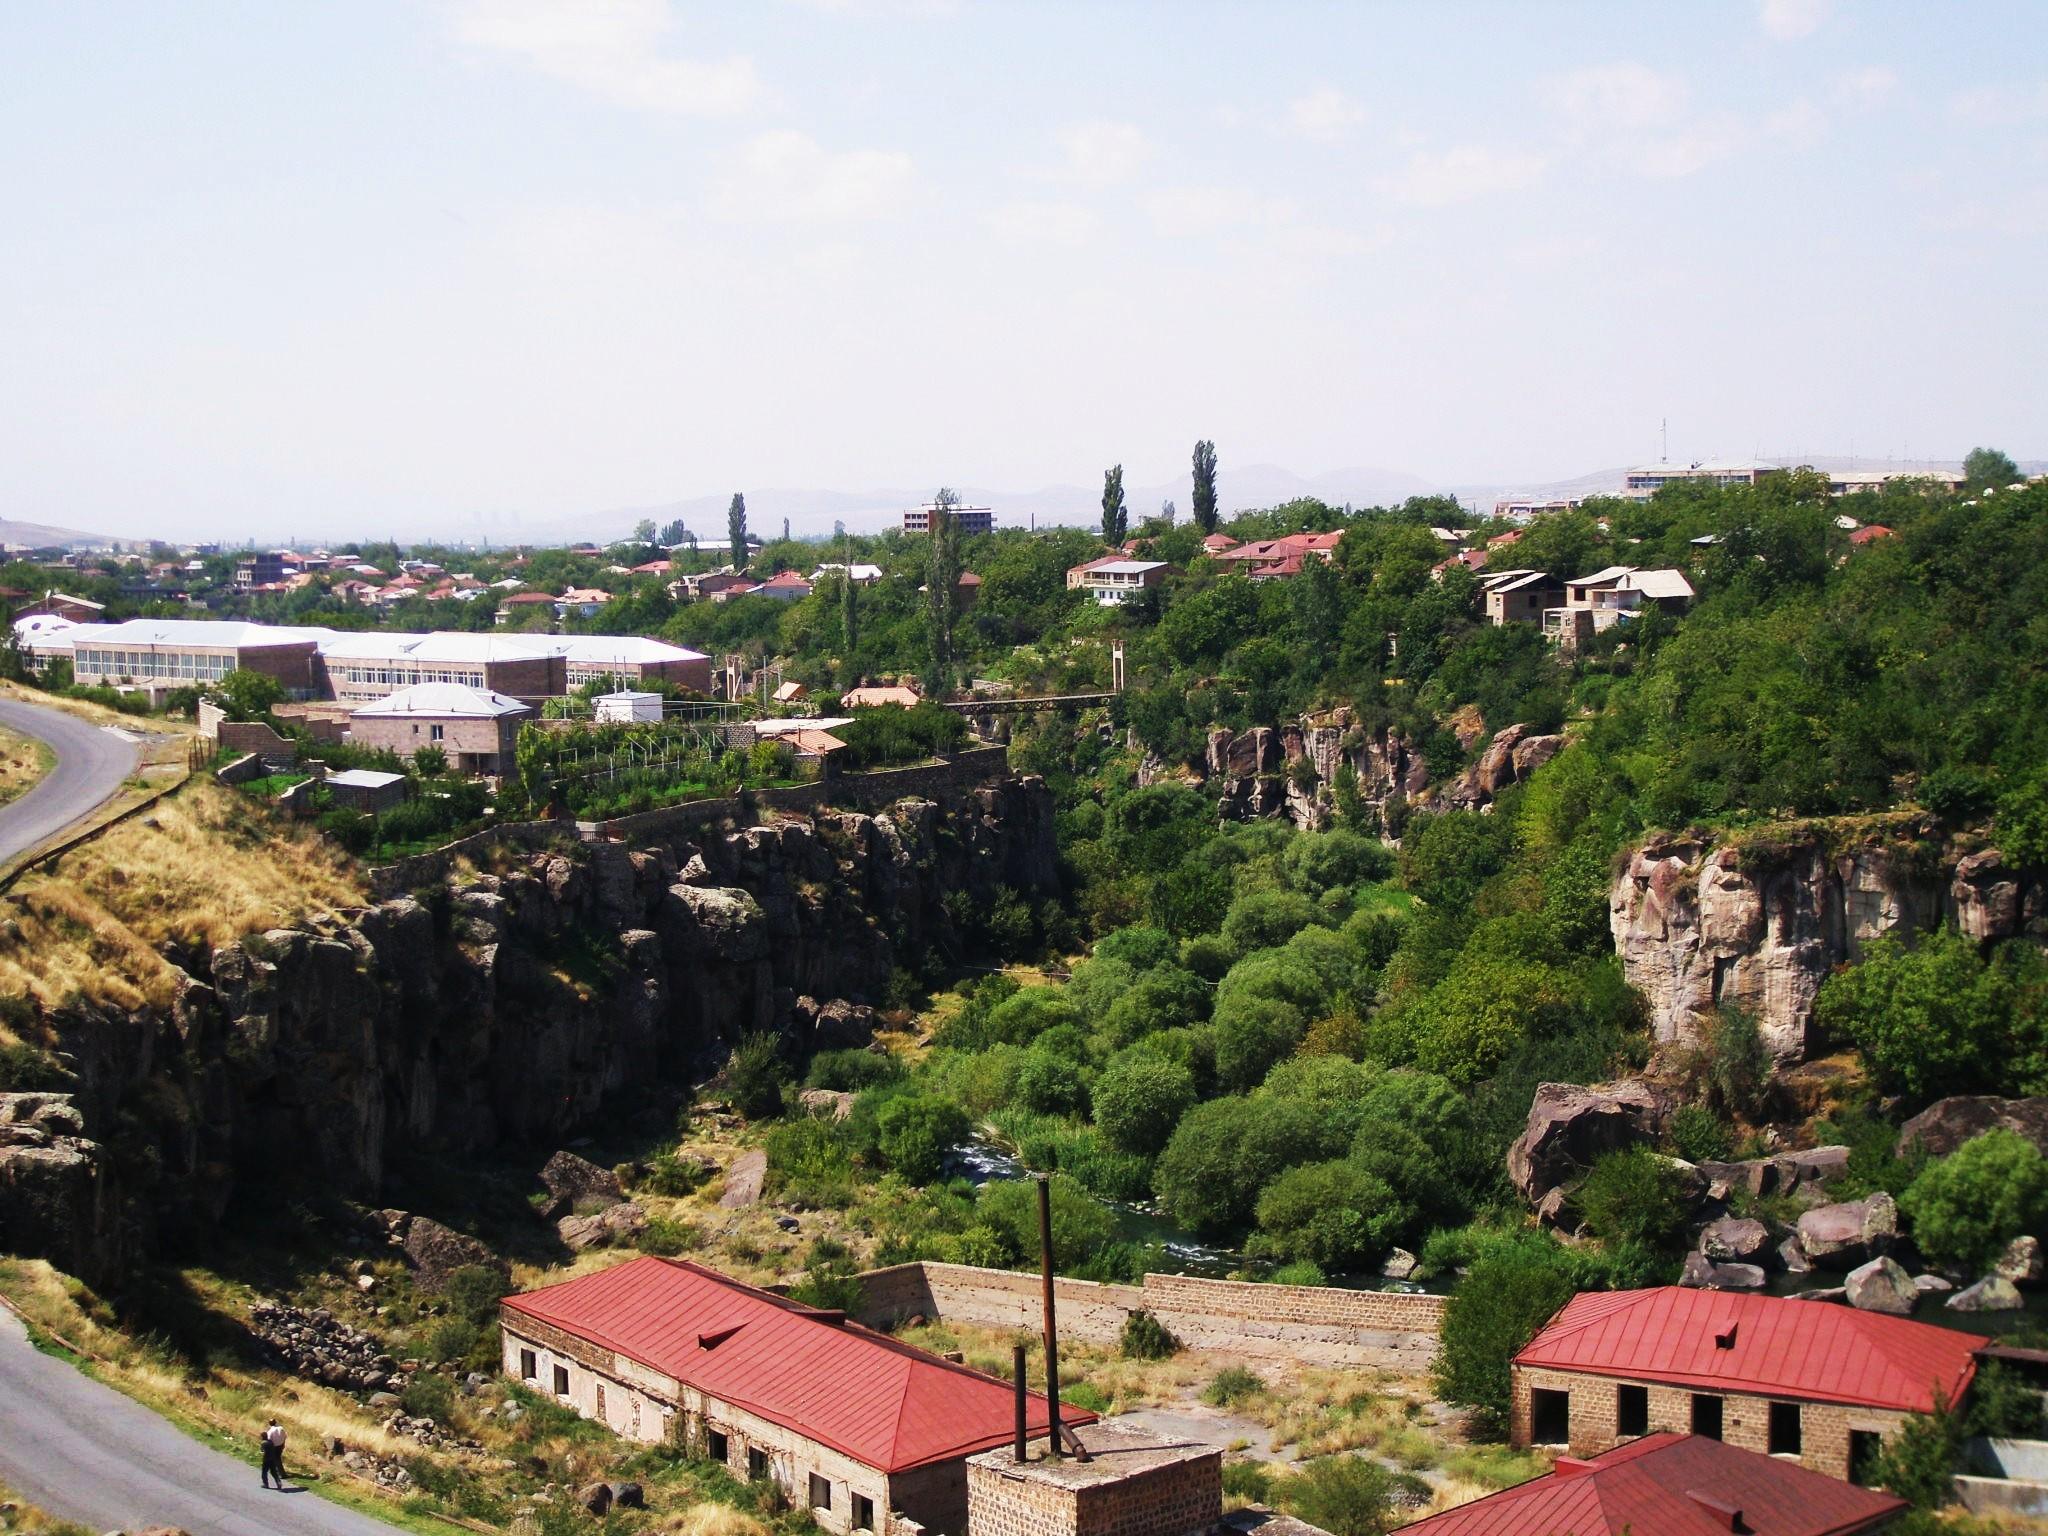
{"x":92,"y":762}
{"x":83,"y":1452}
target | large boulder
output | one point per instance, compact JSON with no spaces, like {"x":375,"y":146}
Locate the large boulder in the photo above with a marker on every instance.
{"x":1736,"y":1239}
{"x":1994,"y":1293}
{"x":834,"y":1025}
{"x":574,"y":1182}
{"x":1946,"y":1124}
{"x":1881,"y":1286}
{"x":57,"y":1196}
{"x":614,"y":1224}
{"x":436,"y":1252}
{"x":1853,"y":1232}
{"x":1702,"y":1273}
{"x":2021,"y":1261}
{"x":744,"y":1179}
{"x":1570,"y":1126}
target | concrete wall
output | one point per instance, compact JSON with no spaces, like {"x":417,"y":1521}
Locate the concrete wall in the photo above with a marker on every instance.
{"x":254,"y":736}
{"x":1824,"y":1428}
{"x":1312,"y":1325}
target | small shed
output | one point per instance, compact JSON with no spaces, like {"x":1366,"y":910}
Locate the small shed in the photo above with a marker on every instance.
{"x":366,"y":789}
{"x":628,"y":708}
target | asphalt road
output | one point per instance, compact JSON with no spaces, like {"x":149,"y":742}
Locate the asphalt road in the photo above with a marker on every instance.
{"x":91,"y":765}
{"x":82,"y":1451}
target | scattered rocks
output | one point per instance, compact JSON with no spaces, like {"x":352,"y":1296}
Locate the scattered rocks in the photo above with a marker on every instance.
{"x":1794,"y":1258}
{"x":428,"y":1433}
{"x":576,"y":1184}
{"x":1400,"y":1265}
{"x":1994,"y":1293}
{"x":2021,"y":1261}
{"x":1932,"y":1285}
{"x":744,"y":1179}
{"x":1737,"y":1238}
{"x":437,"y":1251}
{"x":829,"y":1103}
{"x":385,"y":1474}
{"x":1881,"y":1286}
{"x":836,"y":1025}
{"x":628,"y":1496}
{"x":1823,"y":1293}
{"x":614,"y":1224}
{"x":1851,"y":1233}
{"x":1702,"y":1273}
{"x":312,"y":1343}
{"x":597,"y":1498}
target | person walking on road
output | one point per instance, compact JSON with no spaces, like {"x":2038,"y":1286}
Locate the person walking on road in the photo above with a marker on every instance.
{"x":273,"y":1455}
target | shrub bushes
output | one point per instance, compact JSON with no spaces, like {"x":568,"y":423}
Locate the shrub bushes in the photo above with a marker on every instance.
{"x":1699,"y":1135}
{"x":1966,"y":1207}
{"x":755,"y":1075}
{"x":1146,"y":1338}
{"x":889,"y":734}
{"x":1139,"y":1100}
{"x":1511,"y":1289}
{"x":1633,"y":1196}
{"x":1333,"y":1214}
{"x":1231,"y":1386}
{"x":916,"y":1131}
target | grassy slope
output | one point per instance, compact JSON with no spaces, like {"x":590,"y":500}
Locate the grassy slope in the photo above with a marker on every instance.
{"x":203,"y":866}
{"x":23,"y":761}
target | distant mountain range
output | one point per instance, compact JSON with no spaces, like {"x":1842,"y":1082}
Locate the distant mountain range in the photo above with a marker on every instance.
{"x":812,"y":513}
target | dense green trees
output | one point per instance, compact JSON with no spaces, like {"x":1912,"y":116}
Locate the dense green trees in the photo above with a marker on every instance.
{"x":1937,"y":1017}
{"x":1966,"y":1207}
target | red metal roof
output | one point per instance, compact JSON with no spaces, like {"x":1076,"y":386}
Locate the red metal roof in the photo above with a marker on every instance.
{"x":862,"y":1393}
{"x":1777,"y":1347}
{"x":1670,"y":1485}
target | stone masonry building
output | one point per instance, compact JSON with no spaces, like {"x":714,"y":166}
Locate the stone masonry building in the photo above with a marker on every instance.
{"x":866,"y":1433}
{"x":1821,"y":1384}
{"x":1134,"y":1484}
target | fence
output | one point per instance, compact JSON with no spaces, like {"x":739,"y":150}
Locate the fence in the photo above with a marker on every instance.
{"x":1308,"y":1325}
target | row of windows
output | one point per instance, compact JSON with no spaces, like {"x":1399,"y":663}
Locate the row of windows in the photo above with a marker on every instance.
{"x":101,"y":662}
{"x":1550,"y":1418}
{"x":400,"y":677}
{"x":717,"y":1446}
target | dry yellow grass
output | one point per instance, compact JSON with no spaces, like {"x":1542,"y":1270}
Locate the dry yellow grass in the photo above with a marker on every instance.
{"x":23,"y":760}
{"x":201,"y":867}
{"x":20,"y":1519}
{"x":712,"y":1520}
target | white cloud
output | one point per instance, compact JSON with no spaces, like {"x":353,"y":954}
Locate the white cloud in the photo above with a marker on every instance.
{"x":1864,"y":87}
{"x":1323,"y":116}
{"x":1067,"y":225}
{"x":1102,"y":153}
{"x":788,"y":177}
{"x":2003,"y":104}
{"x":1691,"y":149}
{"x":1790,"y":20}
{"x":1438,"y":178}
{"x":1607,"y":97}
{"x":611,"y":48}
{"x":1205,"y":210}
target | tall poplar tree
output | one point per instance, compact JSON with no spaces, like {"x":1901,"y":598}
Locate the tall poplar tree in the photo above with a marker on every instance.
{"x":736,"y":530}
{"x":942,"y":584}
{"x":1116,"y":517}
{"x":849,"y":615}
{"x":1205,"y":486}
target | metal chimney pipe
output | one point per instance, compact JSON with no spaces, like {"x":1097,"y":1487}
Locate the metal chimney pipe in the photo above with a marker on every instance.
{"x":1023,"y":1403}
{"x":1052,"y":1337}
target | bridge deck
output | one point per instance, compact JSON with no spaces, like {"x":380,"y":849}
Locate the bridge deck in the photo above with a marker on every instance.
{"x":1013,"y":706}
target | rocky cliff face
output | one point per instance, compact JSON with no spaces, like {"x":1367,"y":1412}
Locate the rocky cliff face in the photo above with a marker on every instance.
{"x":500,"y":1008}
{"x":1291,"y":770}
{"x":1760,"y":926}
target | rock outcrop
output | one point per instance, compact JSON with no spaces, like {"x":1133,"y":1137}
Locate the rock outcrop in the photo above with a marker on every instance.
{"x":493,"y":1010}
{"x":1569,"y":1126}
{"x":574,"y":1182}
{"x":1850,"y":1233}
{"x":1509,"y":758}
{"x":1760,"y":925}
{"x":1946,"y":1124}
{"x":313,"y":1343}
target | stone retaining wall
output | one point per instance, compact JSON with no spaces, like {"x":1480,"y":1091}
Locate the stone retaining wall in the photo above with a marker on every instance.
{"x":1311,"y":1325}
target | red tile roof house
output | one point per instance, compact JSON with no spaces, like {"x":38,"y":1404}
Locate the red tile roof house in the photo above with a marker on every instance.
{"x":1807,"y":1380}
{"x":1671,"y":1485}
{"x":867,"y":1433}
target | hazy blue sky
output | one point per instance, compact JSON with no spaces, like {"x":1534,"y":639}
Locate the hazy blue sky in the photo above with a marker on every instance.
{"x":289,"y":264}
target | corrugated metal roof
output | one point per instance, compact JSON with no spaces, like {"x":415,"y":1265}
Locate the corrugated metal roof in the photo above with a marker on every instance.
{"x":1780,"y":1347}
{"x":862,"y":1393}
{"x":1654,"y":1487}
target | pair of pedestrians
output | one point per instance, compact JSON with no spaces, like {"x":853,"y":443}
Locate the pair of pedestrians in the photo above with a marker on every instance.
{"x":273,"y":1455}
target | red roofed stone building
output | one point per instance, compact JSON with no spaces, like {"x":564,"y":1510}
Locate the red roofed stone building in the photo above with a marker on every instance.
{"x":1806,"y":1380}
{"x":867,"y":1433}
{"x":1671,"y":1485}
{"x":1281,"y":556}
